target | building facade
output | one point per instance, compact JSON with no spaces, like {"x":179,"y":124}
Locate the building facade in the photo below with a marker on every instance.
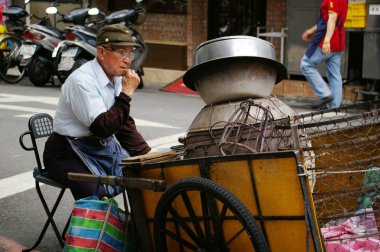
{"x":173,"y":33}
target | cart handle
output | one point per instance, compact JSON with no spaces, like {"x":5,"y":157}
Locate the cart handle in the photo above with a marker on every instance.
{"x":133,"y":183}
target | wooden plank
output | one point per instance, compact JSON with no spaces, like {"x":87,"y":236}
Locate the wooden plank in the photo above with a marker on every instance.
{"x":138,"y":213}
{"x":150,"y":158}
{"x":165,"y":42}
{"x":129,"y":183}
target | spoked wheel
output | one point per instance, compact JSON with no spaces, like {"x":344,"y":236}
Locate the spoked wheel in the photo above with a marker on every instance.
{"x":197,"y":214}
{"x":10,"y":70}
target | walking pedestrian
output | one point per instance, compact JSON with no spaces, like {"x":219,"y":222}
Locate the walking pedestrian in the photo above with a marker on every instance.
{"x":326,"y":45}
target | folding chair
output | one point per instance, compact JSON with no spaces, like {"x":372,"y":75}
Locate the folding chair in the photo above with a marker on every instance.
{"x":41,"y":125}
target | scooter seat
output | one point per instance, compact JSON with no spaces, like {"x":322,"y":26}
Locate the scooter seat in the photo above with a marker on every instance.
{"x":76,"y":16}
{"x":125,"y":15}
{"x":15,"y":12}
{"x":48,"y":29}
{"x":90,"y":30}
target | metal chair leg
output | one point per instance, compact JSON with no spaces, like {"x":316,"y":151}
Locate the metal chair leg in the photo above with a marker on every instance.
{"x":50,"y":219}
{"x":65,"y":229}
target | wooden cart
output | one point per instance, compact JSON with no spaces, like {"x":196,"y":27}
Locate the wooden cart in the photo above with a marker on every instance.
{"x":273,"y":201}
{"x":254,"y":202}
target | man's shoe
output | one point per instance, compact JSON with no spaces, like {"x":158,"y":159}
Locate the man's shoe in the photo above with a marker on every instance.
{"x":321,"y":102}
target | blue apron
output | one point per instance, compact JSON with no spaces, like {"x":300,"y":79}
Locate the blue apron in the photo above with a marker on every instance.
{"x":101,"y":156}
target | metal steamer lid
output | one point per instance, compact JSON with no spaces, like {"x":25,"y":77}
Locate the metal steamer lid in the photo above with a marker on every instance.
{"x":233,"y":47}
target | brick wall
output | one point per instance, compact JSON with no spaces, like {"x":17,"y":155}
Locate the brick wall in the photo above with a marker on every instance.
{"x":192,"y":28}
{"x":196,"y":28}
{"x":302,"y":90}
{"x":164,"y":27}
{"x":276,"y":18}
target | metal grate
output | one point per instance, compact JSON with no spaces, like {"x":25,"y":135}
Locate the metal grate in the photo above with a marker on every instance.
{"x":42,"y":126}
{"x":341,"y":150}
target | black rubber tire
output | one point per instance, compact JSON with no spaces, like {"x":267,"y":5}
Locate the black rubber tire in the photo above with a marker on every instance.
{"x":39,"y":72}
{"x":78,"y":63}
{"x":141,"y":84}
{"x":140,"y":73}
{"x":165,"y":213}
{"x":61,"y":75}
{"x":10,"y":58}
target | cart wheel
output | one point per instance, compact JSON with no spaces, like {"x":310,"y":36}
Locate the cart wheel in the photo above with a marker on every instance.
{"x":201,"y":215}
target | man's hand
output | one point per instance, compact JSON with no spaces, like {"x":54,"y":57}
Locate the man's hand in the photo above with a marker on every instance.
{"x":326,"y":48}
{"x":309,"y":33}
{"x":130,"y":82}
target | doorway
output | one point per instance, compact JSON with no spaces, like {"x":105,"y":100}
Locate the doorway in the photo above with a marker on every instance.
{"x":235,"y":17}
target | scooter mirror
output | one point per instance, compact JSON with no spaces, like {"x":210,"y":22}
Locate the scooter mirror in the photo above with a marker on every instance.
{"x":93,"y":11}
{"x":51,"y":10}
{"x":26,"y":1}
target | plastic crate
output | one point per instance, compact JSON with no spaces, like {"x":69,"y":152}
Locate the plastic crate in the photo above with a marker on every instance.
{"x":356,"y":22}
{"x":356,"y":10}
{"x":356,"y":1}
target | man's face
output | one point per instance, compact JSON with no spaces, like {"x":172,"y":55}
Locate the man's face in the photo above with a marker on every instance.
{"x":116,"y":60}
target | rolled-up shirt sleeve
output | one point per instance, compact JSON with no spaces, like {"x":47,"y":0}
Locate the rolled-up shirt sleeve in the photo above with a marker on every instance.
{"x":131,"y":139}
{"x":108,"y":123}
{"x":117,"y":121}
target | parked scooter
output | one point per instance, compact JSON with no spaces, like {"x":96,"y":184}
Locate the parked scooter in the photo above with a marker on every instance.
{"x":76,"y":50}
{"x":80,"y":44}
{"x":40,"y":42}
{"x":10,"y":43}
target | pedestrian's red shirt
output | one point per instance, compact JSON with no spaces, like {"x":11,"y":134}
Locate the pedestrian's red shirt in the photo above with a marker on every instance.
{"x":339,"y":7}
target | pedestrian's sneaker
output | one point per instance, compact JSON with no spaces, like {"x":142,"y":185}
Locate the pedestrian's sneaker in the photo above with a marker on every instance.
{"x":321,"y":102}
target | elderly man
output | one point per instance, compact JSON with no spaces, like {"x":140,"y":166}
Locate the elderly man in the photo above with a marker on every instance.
{"x":93,"y":129}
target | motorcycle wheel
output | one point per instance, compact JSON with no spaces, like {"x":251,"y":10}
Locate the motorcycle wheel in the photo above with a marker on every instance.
{"x":39,"y":72}
{"x":61,"y":75}
{"x":78,"y":63}
{"x":140,"y":72}
{"x":141,"y":85}
{"x":10,"y":69}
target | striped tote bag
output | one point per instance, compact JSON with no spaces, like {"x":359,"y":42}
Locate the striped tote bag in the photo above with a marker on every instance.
{"x":97,"y":225}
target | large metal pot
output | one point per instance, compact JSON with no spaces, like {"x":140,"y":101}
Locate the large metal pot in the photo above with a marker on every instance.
{"x":234,"y":68}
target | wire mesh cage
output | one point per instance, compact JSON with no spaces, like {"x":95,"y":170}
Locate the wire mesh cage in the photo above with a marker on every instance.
{"x":341,"y":150}
{"x":341,"y":159}
{"x":239,"y":127}
{"x":241,"y":135}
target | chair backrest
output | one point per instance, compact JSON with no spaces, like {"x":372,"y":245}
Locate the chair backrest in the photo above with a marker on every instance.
{"x":40,"y":125}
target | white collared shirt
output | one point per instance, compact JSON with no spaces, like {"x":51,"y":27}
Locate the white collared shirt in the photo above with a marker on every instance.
{"x":86,"y":93}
